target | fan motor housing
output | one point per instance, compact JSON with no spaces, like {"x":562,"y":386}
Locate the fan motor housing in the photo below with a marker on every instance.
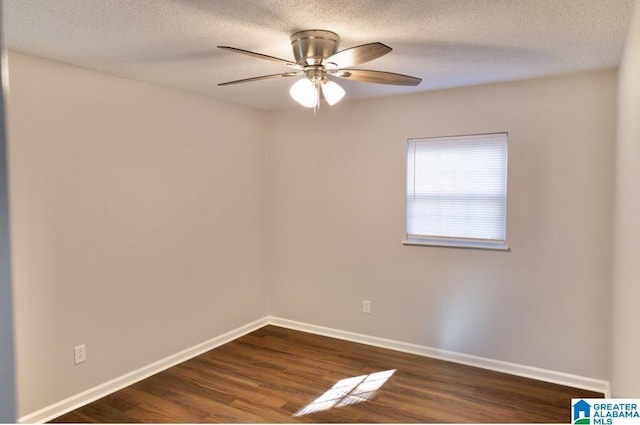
{"x":310,"y":47}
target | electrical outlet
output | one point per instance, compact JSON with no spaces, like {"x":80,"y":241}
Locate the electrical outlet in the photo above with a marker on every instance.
{"x":79,"y":354}
{"x":366,"y":306}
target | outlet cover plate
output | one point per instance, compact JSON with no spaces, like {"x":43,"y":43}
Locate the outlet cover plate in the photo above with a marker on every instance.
{"x":366,"y":307}
{"x":79,"y":354}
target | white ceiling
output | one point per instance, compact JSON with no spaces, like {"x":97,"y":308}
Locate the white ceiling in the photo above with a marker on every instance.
{"x":447,"y":43}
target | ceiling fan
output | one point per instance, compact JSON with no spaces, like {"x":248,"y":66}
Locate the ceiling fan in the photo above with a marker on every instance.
{"x":317,"y":58}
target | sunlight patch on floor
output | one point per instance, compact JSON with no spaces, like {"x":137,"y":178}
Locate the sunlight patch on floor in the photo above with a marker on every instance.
{"x":348,"y":391}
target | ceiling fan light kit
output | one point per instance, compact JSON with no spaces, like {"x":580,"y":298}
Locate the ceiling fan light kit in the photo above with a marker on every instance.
{"x":305,"y":93}
{"x":317,"y":58}
{"x":332,"y":92}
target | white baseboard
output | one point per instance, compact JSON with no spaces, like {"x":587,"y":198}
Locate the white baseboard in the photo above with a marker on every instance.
{"x":546,"y":375}
{"x":99,"y":391}
{"x":50,"y":412}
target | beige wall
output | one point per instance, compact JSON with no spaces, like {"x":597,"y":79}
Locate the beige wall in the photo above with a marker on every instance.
{"x":337,"y":183}
{"x":137,"y":224}
{"x":7,"y":365}
{"x":625,"y":369}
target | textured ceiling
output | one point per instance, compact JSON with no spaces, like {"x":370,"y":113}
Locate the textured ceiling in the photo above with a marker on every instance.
{"x":447,"y":43}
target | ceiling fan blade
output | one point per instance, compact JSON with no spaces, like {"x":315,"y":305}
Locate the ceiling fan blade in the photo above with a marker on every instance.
{"x":262,"y":77}
{"x":260,"y":56}
{"x":378,"y":77}
{"x":358,"y":54}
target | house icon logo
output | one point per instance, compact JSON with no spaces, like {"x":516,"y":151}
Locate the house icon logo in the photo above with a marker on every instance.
{"x":581,"y":412}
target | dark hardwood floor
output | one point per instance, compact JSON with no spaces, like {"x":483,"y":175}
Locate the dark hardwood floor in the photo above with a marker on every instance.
{"x":278,"y":375}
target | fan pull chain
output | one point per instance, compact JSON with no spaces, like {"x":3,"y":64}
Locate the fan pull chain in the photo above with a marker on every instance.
{"x":315,"y":108}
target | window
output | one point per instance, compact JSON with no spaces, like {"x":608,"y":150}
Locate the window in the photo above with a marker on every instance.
{"x":457,"y":191}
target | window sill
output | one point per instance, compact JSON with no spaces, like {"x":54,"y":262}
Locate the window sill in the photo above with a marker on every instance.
{"x":464,"y":244}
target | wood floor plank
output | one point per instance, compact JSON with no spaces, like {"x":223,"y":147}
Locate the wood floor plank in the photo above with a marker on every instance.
{"x":276,"y":375}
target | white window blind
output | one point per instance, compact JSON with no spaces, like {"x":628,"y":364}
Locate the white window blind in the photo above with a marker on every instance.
{"x":457,"y":191}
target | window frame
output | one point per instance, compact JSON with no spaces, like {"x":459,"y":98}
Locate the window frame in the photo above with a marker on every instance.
{"x":452,"y":241}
